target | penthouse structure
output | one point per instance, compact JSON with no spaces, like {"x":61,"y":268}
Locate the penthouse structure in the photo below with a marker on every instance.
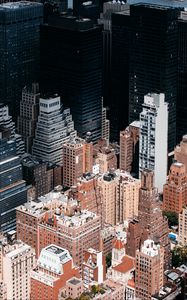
{"x":53,"y":129}
{"x":29,"y":215}
{"x":76,"y":233}
{"x":17,"y":260}
{"x":54,"y":267}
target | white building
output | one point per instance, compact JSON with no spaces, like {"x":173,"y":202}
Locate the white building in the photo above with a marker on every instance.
{"x":17,"y":260}
{"x":154,"y":137}
{"x":53,"y":130}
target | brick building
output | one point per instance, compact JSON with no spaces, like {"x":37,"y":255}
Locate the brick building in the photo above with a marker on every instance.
{"x":149,"y":270}
{"x":76,"y":233}
{"x":77,"y":160}
{"x":152,"y":224}
{"x":88,"y":194}
{"x":175,"y":190}
{"x":29,"y":215}
{"x":129,"y":139}
{"x":180,"y":152}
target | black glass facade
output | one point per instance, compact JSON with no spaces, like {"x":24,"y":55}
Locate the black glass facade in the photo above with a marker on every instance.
{"x":13,"y":191}
{"x":153,"y":59}
{"x":144,"y":60}
{"x":182,"y":79}
{"x":119,"y":88}
{"x":19,"y":50}
{"x":71,"y":65}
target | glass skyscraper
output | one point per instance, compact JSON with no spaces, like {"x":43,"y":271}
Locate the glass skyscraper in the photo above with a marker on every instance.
{"x":71,"y":65}
{"x":19,"y":49}
{"x":13,"y":190}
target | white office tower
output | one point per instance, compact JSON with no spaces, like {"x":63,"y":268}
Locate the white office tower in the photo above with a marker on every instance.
{"x":54,"y":128}
{"x":154,"y":137}
{"x":6,"y":123}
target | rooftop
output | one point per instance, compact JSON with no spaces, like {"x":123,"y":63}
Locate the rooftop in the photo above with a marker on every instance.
{"x":17,"y":5}
{"x":53,"y":258}
{"x":161,"y":3}
{"x":74,"y":281}
{"x":53,"y":201}
{"x":128,"y":264}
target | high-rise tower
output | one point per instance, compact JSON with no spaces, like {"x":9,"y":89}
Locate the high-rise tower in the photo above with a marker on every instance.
{"x":153,"y":224}
{"x":153,"y":137}
{"x":52,"y":131}
{"x":29,"y":110}
{"x":20,"y":51}
{"x":182,"y":77}
{"x":153,"y":59}
{"x":72,"y":67}
{"x":13,"y":190}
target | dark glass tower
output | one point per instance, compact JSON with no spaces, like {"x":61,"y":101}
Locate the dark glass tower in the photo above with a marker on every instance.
{"x":182,"y":77}
{"x":13,"y":190}
{"x":71,"y":65}
{"x":119,"y":88}
{"x":19,"y":50}
{"x":144,"y":60}
{"x":153,"y":59}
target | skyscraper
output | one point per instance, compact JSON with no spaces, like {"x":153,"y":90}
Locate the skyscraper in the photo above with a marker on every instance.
{"x":153,"y":59}
{"x":53,"y":129}
{"x":119,"y":76}
{"x":144,"y":48}
{"x":149,"y":270}
{"x":109,"y":7}
{"x":72,"y":67}
{"x":182,"y":77}
{"x":13,"y":190}
{"x":20,"y":51}
{"x":153,"y":138}
{"x":153,"y":224}
{"x":29,"y":110}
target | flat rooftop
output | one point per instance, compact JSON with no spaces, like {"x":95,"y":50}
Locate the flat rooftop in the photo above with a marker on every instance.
{"x":161,"y":3}
{"x":19,"y":4}
{"x":55,"y":249}
{"x":74,"y":281}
